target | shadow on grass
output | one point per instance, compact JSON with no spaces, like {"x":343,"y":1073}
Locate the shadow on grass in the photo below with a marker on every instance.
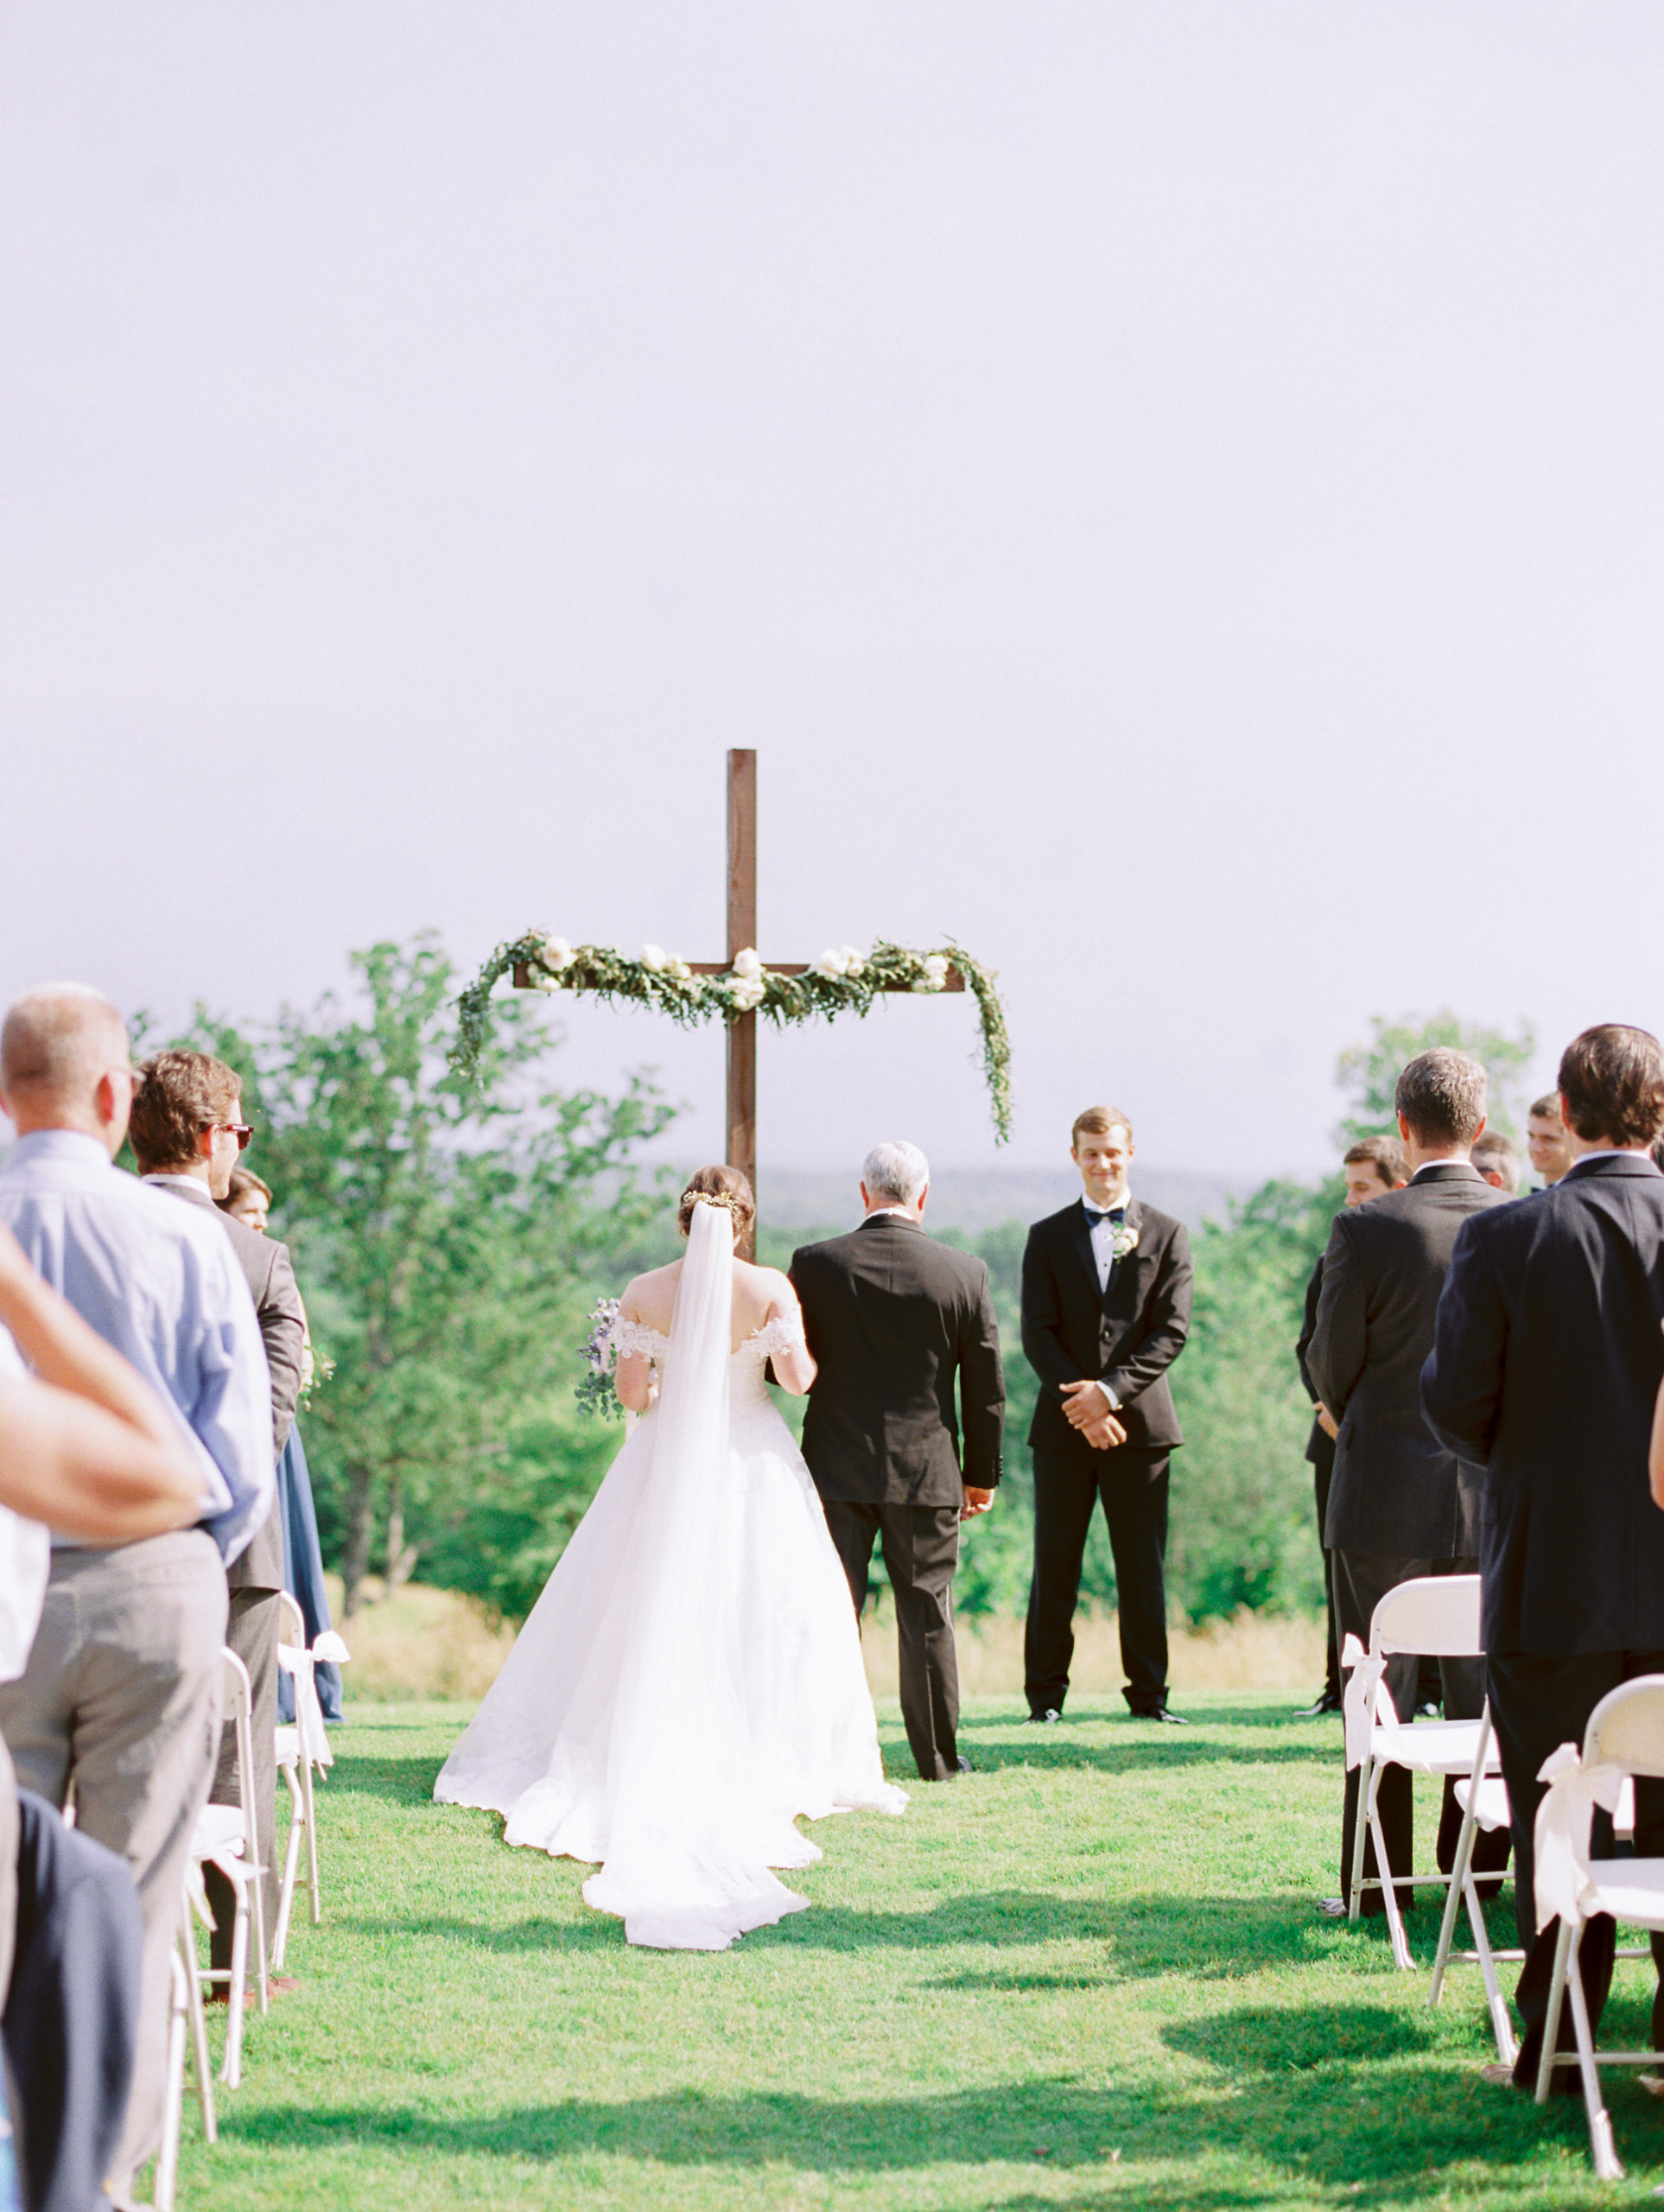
{"x":1276,"y":2038}
{"x":1058,"y":2121}
{"x":1050,"y":1750}
{"x":407,"y":1781}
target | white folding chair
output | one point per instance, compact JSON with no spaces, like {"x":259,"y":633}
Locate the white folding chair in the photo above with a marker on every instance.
{"x":301,"y":1743}
{"x":227,"y":1836}
{"x":1434,"y":1617}
{"x":1484,"y":1805}
{"x":1625,"y":1736}
{"x":167,"y":2175}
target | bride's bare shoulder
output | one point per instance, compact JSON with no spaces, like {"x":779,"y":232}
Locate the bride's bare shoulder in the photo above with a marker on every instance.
{"x":650,"y":1297}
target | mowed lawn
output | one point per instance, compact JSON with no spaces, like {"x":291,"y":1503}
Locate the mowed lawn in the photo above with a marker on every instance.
{"x":1089,"y":1974}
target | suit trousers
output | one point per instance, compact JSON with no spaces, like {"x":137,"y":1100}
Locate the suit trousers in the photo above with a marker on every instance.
{"x":1539,"y":1702}
{"x":921,"y":1550}
{"x":121,"y":1698}
{"x":1362,"y":1580}
{"x":252,"y":1634}
{"x":1132,"y":1482}
{"x":72,"y":2011}
{"x":1323,"y":1475}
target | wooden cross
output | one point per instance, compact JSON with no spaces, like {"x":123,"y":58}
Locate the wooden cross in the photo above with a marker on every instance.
{"x":742,"y":937}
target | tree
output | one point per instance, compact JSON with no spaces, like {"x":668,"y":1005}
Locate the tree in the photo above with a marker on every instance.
{"x":1371,"y":1072}
{"x":445,"y":1234}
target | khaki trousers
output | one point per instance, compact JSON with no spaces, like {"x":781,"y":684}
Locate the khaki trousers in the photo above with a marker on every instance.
{"x":121,"y":1699}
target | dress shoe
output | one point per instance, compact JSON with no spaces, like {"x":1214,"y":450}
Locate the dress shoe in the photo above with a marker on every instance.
{"x":1324,"y":1703}
{"x":1044,"y":1716}
{"x":1166,"y":1715}
{"x":962,"y":1765}
{"x":1331,"y":1907}
{"x":1427,"y":1710}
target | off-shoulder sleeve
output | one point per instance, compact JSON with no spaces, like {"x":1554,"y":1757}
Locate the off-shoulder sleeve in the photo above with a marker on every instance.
{"x":778,"y":1335}
{"x":636,"y":1336}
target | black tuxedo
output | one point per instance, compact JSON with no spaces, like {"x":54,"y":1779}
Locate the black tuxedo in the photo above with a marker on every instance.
{"x":1126,"y":1335}
{"x":1320,"y":1455}
{"x":1401,"y":1504}
{"x":894,"y":1320}
{"x":1545,"y":1372}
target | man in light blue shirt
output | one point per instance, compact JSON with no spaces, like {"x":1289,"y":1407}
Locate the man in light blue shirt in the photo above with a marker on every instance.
{"x":122,"y":1693}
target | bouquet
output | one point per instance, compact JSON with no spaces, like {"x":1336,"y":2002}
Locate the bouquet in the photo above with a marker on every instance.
{"x":594,"y":1393}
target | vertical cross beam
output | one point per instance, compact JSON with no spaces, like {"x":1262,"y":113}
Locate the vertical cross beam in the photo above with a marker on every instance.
{"x":742,"y":932}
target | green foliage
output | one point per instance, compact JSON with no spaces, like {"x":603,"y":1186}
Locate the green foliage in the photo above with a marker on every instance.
{"x":447,"y":1236}
{"x":1242,"y":1531}
{"x":1369,"y":1072}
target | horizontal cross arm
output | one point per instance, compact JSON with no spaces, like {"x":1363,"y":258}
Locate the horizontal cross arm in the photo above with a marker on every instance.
{"x":952,"y":982}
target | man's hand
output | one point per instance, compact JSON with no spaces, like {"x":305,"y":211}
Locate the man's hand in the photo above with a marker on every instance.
{"x":1326,"y":1421}
{"x":1085,"y":1404}
{"x":1104,"y":1435}
{"x":976,"y":1501}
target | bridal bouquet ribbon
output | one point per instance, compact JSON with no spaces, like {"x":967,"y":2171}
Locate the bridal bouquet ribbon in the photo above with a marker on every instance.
{"x":1562,"y":1833}
{"x":1358,"y":1706}
{"x":840,"y":981}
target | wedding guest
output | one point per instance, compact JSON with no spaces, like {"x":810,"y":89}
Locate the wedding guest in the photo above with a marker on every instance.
{"x":1401,"y":1504}
{"x":249,"y":1200}
{"x":186,"y":1130}
{"x":1497,"y":1158}
{"x":893,"y":1320}
{"x":120,"y":1698}
{"x":1370,"y":1168}
{"x":1546,"y":1140}
{"x":1106,"y":1311}
{"x":1545,"y":1372}
{"x":85,"y":1445}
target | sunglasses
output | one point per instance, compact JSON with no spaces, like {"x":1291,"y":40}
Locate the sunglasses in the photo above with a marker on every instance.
{"x":241,"y":1130}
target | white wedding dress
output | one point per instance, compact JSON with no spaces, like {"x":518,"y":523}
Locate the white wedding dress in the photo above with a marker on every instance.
{"x":691,"y":1680}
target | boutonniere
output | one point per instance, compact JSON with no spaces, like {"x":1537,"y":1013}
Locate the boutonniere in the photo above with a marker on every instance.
{"x":1124,"y":1240}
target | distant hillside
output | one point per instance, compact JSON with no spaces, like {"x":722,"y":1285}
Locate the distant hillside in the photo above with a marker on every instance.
{"x":979,"y":1198}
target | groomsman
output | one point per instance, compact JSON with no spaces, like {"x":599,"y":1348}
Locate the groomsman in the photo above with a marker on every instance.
{"x":1402,"y":1504}
{"x":1547,"y":1141}
{"x":1106,"y":1311}
{"x":1545,"y":1372}
{"x":1497,"y":1158}
{"x":1372,"y":1167}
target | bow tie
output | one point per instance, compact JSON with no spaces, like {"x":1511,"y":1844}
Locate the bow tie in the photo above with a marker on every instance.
{"x":1117,"y":1214}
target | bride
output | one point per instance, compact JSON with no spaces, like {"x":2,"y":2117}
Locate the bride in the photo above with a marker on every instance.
{"x":691,"y":1680}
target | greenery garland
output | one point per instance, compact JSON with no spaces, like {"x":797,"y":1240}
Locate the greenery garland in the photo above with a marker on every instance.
{"x":844,"y":982}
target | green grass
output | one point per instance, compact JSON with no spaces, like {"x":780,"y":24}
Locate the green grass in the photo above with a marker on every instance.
{"x":1089,"y":1975}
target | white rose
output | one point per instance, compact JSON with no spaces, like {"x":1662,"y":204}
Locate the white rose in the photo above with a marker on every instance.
{"x":746,"y":994}
{"x":680,"y":971}
{"x":557,"y":953}
{"x":746,"y":964}
{"x":852,"y":963}
{"x":935,"y":971}
{"x":654,"y":957}
{"x":831,"y":963}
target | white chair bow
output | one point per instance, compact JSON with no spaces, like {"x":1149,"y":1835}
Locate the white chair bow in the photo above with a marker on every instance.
{"x":1368,"y":1671}
{"x":1564,"y":1819}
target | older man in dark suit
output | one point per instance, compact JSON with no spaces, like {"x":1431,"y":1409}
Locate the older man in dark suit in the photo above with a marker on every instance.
{"x":1106,"y":1311}
{"x":188,"y":1132}
{"x":895,"y":1320}
{"x":1401,"y":1504}
{"x":1544,"y":1372}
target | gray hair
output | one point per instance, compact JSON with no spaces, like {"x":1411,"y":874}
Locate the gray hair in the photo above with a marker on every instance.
{"x":1442,"y":1095}
{"x":898,"y":1171}
{"x":58,"y":1039}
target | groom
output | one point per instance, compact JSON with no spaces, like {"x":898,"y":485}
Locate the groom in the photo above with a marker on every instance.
{"x":892,"y":1318}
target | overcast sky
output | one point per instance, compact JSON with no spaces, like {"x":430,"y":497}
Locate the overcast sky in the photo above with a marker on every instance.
{"x":1174,"y":495}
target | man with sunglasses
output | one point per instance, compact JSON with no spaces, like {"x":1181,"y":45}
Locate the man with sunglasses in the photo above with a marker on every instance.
{"x":120,"y":1697}
{"x":187,"y":1131}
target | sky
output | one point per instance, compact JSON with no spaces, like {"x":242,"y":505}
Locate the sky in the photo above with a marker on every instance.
{"x":1174,"y":497}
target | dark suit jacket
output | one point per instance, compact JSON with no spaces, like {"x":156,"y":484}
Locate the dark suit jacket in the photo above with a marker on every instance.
{"x":1126,"y":1335}
{"x":1320,"y":1445}
{"x":1545,"y":1369}
{"x":1397,"y":1490}
{"x":891,"y":1319}
{"x":277,"y":1307}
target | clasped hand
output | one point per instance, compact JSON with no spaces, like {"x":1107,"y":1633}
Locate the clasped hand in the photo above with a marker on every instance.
{"x":1086,"y":1407}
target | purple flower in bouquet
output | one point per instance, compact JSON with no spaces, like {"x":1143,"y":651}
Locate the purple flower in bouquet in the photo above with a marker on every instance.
{"x":596,"y":1393}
